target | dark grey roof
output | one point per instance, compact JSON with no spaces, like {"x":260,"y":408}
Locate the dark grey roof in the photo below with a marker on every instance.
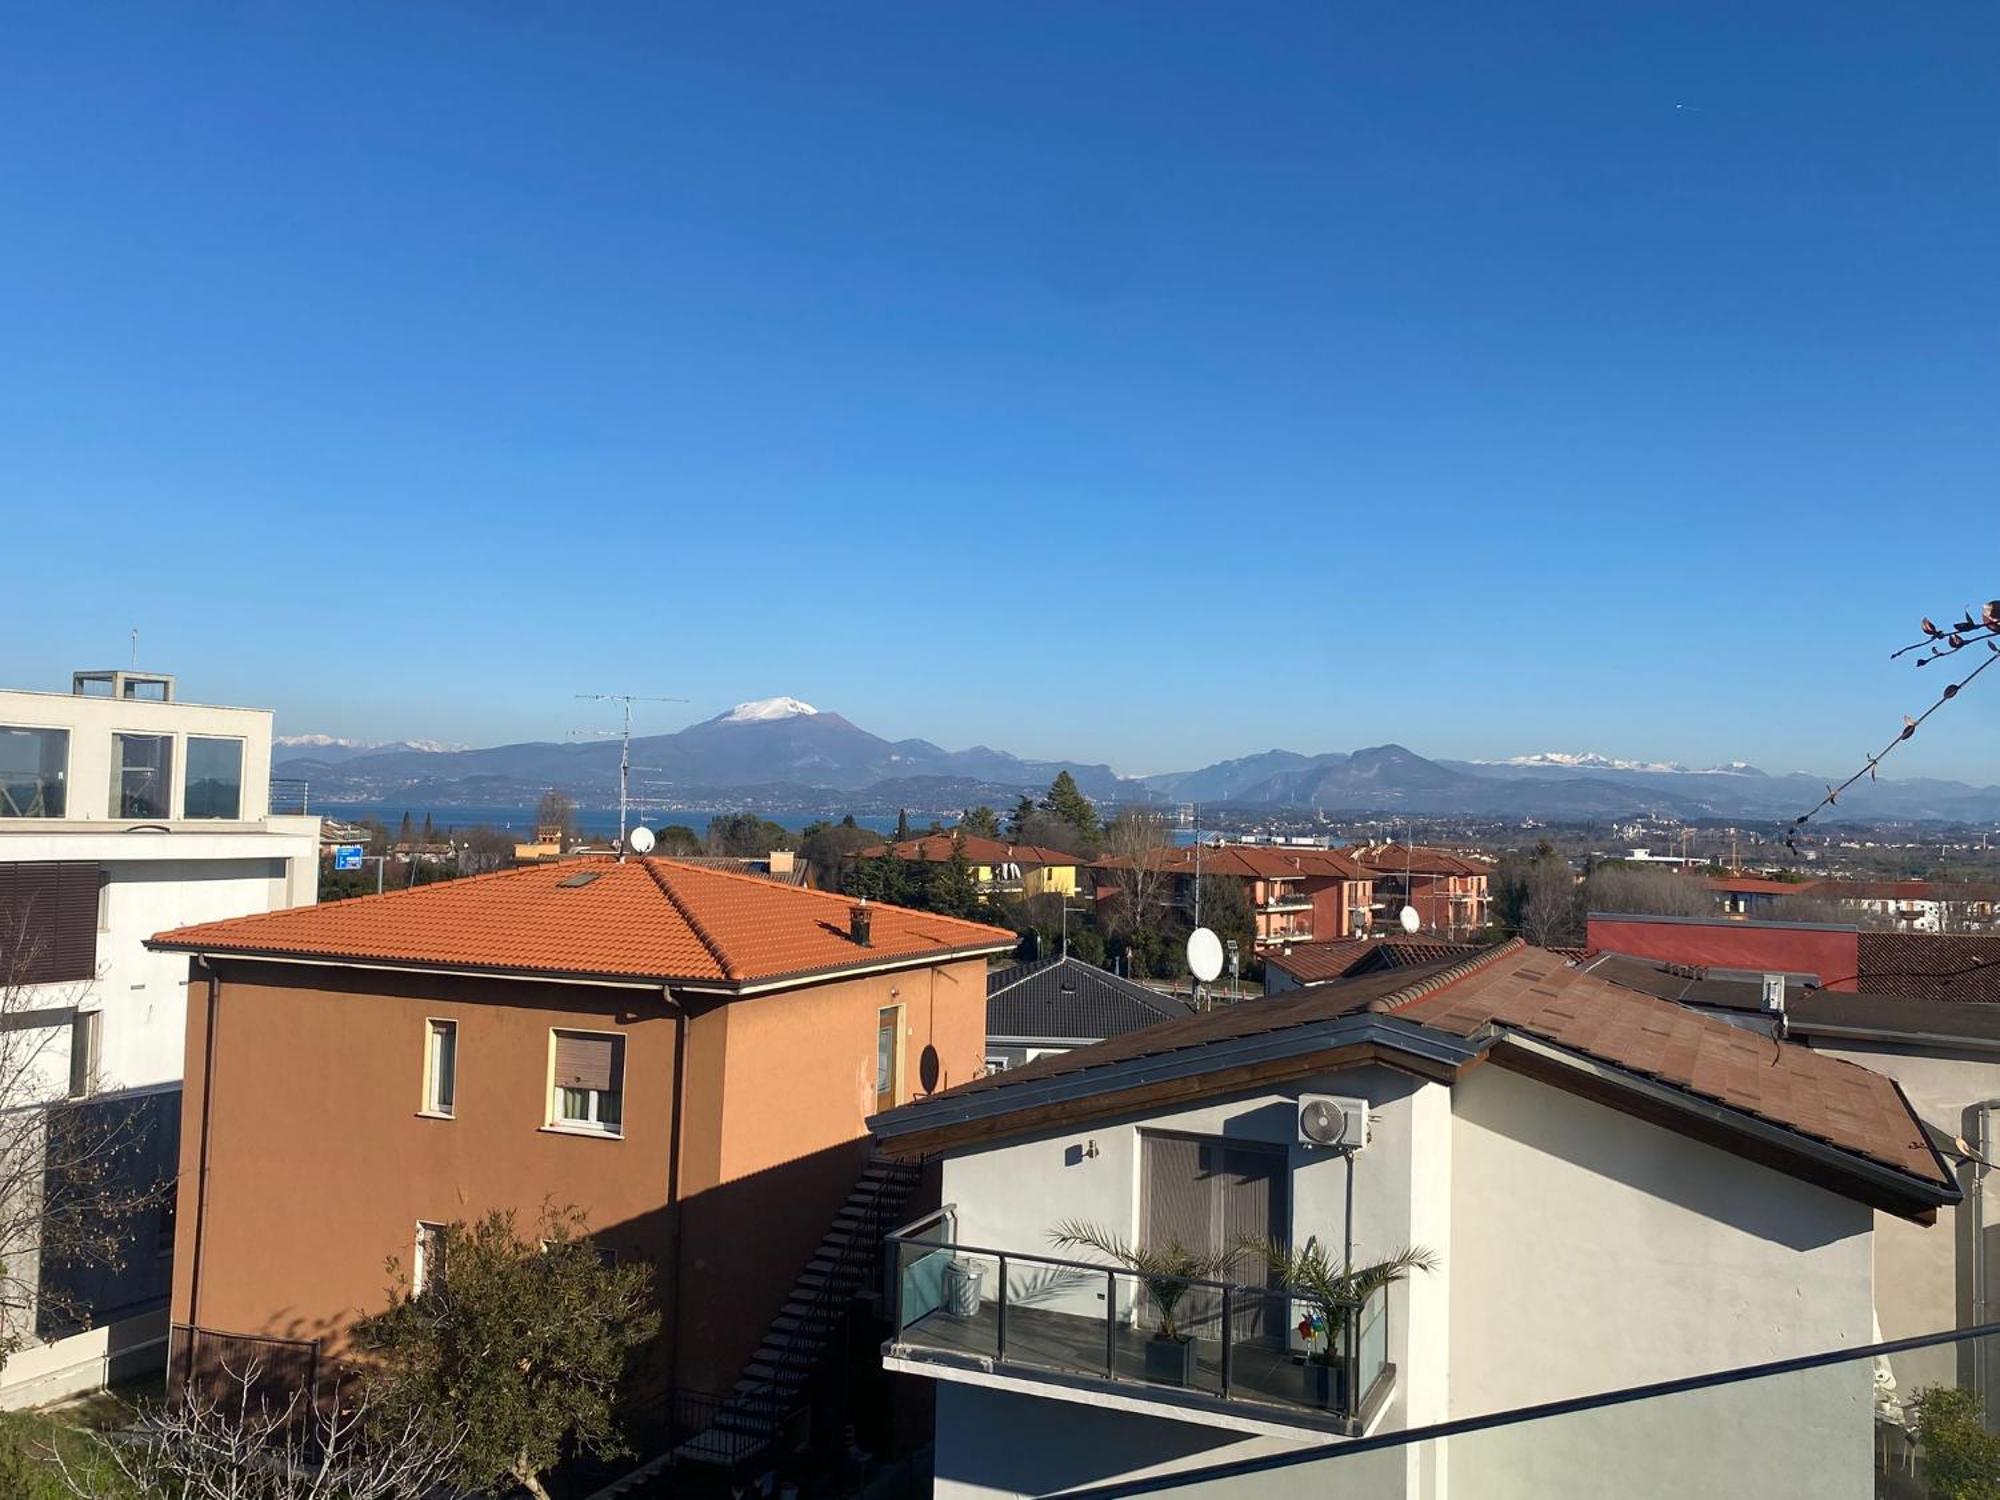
{"x":1068,"y":1000}
{"x":1722,"y":989}
{"x":1945,"y":1025}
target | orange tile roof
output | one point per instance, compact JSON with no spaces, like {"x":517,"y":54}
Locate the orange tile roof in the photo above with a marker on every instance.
{"x":1394,"y":859}
{"x":1253,"y":862}
{"x":653,"y":919}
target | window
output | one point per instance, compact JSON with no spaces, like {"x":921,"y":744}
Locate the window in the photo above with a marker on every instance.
{"x":33,"y":766}
{"x":48,"y":922}
{"x":84,"y":1031}
{"x":589,"y":1081}
{"x":142,"y":776}
{"x":429,"y":1265}
{"x":888,"y":1038}
{"x":440,"y":1067}
{"x":214,"y":778}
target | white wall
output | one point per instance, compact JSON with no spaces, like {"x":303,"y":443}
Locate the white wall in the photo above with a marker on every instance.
{"x":92,"y":721}
{"x":1584,"y":1251}
{"x":1592,"y":1251}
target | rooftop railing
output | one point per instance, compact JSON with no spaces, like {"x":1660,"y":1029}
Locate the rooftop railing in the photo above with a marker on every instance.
{"x":1217,"y":1344}
{"x":290,"y":797}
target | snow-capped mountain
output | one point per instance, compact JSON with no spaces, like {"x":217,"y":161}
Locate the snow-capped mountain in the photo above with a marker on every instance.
{"x":1587,"y":760}
{"x":763,"y":710}
{"x":332,"y":749}
{"x":1590,"y":760}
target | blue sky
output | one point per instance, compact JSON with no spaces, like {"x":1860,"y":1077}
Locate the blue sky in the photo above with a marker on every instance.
{"x":1139,"y":383}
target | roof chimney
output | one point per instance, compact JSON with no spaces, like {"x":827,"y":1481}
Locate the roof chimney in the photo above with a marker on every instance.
{"x":858,"y":917}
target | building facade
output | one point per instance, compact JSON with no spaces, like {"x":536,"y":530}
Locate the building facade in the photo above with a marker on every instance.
{"x":1600,"y":1218}
{"x":122,"y":811}
{"x":685,"y":1054}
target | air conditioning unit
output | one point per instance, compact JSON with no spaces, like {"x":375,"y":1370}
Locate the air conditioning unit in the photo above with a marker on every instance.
{"x":1338,"y":1124}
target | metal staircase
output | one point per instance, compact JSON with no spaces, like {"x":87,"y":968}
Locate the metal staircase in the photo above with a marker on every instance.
{"x":731,"y":1431}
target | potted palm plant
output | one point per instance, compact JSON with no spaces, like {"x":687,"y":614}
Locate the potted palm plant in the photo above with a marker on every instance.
{"x":1329,"y":1291}
{"x":1167,"y":1273}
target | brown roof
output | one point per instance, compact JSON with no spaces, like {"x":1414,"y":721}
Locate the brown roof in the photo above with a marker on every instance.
{"x":1394,"y":859}
{"x":935,"y":849}
{"x":1929,"y":966}
{"x":1513,"y":989}
{"x":1255,"y":862}
{"x":656,"y":919}
{"x":1908,"y":890}
{"x":1342,"y":958}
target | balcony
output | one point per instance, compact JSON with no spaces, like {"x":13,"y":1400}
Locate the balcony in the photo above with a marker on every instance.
{"x":1287,"y":901}
{"x":1094,"y":1329}
{"x":290,"y":797}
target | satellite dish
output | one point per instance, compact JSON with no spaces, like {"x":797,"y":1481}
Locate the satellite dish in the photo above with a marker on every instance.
{"x":640,"y":841}
{"x":1409,"y":918}
{"x":1204,"y":954}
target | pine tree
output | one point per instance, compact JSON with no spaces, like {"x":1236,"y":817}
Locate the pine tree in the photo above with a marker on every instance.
{"x":953,"y":891}
{"x":1066,"y":801}
{"x":981,"y":822}
{"x":1019,"y":818}
{"x":902,"y":825}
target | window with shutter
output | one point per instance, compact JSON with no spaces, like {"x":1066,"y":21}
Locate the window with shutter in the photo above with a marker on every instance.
{"x":48,"y":922}
{"x":588,"y":1080}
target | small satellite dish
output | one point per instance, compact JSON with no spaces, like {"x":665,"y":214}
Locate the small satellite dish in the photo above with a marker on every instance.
{"x":1204,"y":954}
{"x":1409,"y":918}
{"x":640,"y":841}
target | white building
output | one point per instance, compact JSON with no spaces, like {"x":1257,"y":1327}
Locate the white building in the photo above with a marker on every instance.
{"x":1619,"y":1191}
{"x":124,"y":812}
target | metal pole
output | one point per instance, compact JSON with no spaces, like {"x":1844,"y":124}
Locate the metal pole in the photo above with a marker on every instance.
{"x":1111,"y":1324}
{"x":1000,"y":1315}
{"x":1228,"y":1335}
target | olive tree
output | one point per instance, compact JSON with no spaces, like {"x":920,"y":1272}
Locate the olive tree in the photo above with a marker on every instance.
{"x":519,"y":1344}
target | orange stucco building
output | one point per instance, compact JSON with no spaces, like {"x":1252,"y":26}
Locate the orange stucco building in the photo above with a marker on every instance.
{"x":686,"y":1054}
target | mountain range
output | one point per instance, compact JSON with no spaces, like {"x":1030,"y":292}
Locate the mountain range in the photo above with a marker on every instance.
{"x":784,"y":754}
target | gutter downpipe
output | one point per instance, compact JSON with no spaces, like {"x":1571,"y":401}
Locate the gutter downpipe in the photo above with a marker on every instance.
{"x":681,"y":1022}
{"x":207,"y":1110}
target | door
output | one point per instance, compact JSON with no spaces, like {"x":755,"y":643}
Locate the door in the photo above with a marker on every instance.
{"x":1210,"y":1196}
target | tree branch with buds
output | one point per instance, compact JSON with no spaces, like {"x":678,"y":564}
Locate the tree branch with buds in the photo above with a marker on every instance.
{"x":1938,"y":644}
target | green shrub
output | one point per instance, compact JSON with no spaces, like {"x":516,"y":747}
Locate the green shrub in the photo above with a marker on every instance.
{"x":1961,"y":1459}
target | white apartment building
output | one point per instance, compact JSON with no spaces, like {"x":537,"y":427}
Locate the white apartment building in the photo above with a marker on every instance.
{"x":124,"y":812}
{"x":1617,"y":1191}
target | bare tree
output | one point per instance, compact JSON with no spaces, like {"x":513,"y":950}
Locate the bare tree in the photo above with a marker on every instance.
{"x":1636,"y":891}
{"x":74,"y":1178}
{"x":242,"y":1447}
{"x":1138,"y":847}
{"x":1548,"y":906}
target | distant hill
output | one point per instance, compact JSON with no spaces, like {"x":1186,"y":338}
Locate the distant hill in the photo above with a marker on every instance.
{"x":784,"y":754}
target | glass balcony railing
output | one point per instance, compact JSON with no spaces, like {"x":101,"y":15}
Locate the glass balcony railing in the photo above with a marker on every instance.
{"x":1205,"y":1343}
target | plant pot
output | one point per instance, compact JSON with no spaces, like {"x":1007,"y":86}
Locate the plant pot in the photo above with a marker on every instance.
{"x":1170,"y":1361}
{"x":1324,"y":1384}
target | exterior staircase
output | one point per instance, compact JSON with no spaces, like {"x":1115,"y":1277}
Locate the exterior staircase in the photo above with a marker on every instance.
{"x":731,"y":1431}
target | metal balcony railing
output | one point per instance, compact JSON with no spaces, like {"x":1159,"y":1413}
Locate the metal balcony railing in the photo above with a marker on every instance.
{"x":1206,"y":1343}
{"x":290,"y":797}
{"x":1287,"y":901}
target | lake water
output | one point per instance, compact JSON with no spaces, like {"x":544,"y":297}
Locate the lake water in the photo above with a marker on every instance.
{"x":599,"y":822}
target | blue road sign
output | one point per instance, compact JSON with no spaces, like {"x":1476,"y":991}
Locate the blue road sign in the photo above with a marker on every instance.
{"x":347,"y":856}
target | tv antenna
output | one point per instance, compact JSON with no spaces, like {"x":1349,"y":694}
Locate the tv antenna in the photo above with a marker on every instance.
{"x":625,"y":701}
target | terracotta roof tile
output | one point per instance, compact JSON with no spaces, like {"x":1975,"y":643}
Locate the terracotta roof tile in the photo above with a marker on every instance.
{"x":1342,"y":958}
{"x":656,"y":919}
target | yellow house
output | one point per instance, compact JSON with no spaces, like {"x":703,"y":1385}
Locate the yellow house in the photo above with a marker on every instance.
{"x":997,"y":866}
